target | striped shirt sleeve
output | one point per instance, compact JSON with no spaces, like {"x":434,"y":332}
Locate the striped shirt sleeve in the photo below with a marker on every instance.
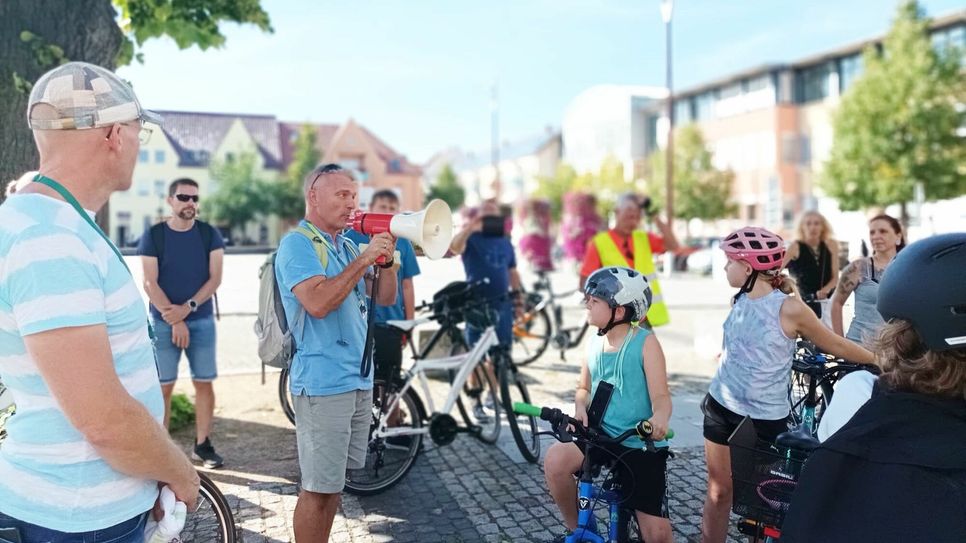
{"x":53,"y":280}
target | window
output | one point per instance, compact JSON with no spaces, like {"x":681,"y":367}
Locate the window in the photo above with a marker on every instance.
{"x":729,"y":91}
{"x":758,"y":83}
{"x":682,"y":111}
{"x":750,"y":212}
{"x":704,"y":106}
{"x":159,"y":156}
{"x":144,"y":188}
{"x":813,"y":82}
{"x":159,"y":188}
{"x":850,"y":68}
{"x":143,"y":155}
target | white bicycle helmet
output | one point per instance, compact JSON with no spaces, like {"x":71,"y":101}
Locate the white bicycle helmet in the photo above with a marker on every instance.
{"x":620,"y":287}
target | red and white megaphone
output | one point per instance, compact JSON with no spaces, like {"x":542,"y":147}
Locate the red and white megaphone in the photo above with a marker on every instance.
{"x":431,"y":228}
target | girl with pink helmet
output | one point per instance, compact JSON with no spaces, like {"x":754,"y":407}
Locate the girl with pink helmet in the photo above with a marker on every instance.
{"x":755,"y":368}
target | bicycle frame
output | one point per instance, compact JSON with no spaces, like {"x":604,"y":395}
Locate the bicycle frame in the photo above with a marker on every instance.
{"x":587,"y":495}
{"x":464,"y":364}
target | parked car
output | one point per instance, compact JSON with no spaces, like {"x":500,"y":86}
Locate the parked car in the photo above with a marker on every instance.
{"x":701,"y":260}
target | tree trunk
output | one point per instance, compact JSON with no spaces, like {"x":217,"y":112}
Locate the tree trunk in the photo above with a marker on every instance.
{"x":85,"y":30}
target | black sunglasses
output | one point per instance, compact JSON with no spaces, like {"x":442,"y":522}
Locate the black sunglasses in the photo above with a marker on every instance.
{"x":187,"y":197}
{"x":327,"y":169}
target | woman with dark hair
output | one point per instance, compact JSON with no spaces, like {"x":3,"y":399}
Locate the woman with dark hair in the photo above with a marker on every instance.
{"x":862,"y":277}
{"x":810,"y":259}
{"x":894,"y":466}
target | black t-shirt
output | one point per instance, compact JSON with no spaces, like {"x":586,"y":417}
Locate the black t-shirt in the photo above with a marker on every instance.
{"x":811,"y":271}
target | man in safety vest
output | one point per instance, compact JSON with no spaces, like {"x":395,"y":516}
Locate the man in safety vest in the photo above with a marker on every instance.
{"x":625,"y":245}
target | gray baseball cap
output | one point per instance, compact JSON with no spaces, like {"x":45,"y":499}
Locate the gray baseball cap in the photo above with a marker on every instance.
{"x":83,"y":96}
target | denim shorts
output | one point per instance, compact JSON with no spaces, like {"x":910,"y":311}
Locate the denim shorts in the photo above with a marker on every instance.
{"x":129,"y":531}
{"x":200,"y":351}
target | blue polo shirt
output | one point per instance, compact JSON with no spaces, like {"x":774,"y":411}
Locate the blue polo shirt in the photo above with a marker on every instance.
{"x":408,"y":268}
{"x":329,"y":350}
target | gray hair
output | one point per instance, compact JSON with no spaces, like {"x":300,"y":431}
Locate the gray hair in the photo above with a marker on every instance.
{"x":322,"y":170}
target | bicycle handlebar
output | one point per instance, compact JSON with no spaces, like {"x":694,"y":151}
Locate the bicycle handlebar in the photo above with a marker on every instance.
{"x":559,"y":421}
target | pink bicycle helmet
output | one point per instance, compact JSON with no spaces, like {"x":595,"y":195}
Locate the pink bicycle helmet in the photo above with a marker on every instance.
{"x":758,"y":247}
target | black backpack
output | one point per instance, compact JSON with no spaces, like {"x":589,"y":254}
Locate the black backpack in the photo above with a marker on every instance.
{"x":207,"y":238}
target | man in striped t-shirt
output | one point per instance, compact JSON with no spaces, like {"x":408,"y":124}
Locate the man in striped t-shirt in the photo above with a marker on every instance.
{"x":86,"y":451}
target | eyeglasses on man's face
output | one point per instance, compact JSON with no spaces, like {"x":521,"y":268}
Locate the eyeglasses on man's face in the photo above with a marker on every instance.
{"x":187,"y":197}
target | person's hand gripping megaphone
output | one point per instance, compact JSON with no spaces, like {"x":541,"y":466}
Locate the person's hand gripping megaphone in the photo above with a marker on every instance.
{"x":380,"y":249}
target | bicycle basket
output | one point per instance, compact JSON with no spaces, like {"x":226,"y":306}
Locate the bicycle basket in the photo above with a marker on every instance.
{"x":763,"y":475}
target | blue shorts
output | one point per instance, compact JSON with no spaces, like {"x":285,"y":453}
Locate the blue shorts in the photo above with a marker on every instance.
{"x":200,"y":351}
{"x":129,"y":531}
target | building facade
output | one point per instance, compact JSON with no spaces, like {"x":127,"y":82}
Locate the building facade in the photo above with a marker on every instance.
{"x":189,"y":143}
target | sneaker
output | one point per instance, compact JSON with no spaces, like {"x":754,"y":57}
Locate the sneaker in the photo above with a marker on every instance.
{"x":206,"y":454}
{"x":479,"y":412}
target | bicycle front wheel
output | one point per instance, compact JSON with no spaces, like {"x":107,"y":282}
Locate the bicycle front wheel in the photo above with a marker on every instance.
{"x":531,"y":335}
{"x":285,"y":397}
{"x":523,"y":427}
{"x":213,"y":520}
{"x":388,"y":459}
{"x":479,"y":405}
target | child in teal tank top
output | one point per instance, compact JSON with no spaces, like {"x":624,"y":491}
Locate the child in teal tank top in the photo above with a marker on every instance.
{"x":631,"y":359}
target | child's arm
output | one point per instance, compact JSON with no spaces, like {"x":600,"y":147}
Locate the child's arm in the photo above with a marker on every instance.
{"x":582,"y":397}
{"x":798,"y":319}
{"x":655,"y":368}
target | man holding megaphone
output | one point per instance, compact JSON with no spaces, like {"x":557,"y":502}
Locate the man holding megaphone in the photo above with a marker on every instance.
{"x":323,"y":281}
{"x":387,"y":340}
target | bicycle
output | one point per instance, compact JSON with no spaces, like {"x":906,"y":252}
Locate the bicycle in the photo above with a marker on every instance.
{"x":812,"y":383}
{"x":400,"y":418}
{"x":534,"y":331}
{"x":622,"y":522}
{"x":448,"y":309}
{"x":764,"y":476}
{"x":211,"y":521}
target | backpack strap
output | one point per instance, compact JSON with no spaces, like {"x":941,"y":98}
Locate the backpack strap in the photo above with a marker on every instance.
{"x":157,"y":238}
{"x":321,"y":247}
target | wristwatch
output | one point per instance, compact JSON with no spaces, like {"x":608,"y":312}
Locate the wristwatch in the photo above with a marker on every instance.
{"x":193,"y":305}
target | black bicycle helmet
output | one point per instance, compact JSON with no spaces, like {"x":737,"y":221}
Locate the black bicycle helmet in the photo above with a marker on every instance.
{"x":620,"y":287}
{"x":926,"y":285}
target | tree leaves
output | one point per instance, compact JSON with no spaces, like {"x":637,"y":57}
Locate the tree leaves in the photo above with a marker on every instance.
{"x":447,"y":189}
{"x":897,"y":124}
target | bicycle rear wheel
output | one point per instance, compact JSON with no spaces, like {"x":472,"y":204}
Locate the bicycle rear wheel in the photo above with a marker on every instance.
{"x":285,"y":397}
{"x":213,"y":520}
{"x":523,"y":427}
{"x":531,"y":335}
{"x":388,"y":459}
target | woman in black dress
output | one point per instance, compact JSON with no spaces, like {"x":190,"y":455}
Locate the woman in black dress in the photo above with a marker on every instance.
{"x":811,"y":260}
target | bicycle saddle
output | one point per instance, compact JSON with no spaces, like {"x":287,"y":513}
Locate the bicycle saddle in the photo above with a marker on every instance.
{"x":799,"y":439}
{"x":406,"y":326}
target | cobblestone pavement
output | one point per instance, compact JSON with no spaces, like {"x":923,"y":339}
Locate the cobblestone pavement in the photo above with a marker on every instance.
{"x":463,"y":492}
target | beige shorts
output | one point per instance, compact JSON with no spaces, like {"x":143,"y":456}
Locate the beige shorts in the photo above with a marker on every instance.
{"x":332,"y":434}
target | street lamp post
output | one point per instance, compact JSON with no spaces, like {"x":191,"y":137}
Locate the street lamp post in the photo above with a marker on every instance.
{"x":667,"y":8}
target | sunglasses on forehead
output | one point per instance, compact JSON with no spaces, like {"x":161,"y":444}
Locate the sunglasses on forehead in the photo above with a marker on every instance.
{"x":187,"y":197}
{"x":327,"y":169}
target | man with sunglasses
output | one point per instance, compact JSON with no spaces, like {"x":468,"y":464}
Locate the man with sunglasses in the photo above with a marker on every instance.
{"x":326,"y":304}
{"x":182,"y":260}
{"x":86,"y":450}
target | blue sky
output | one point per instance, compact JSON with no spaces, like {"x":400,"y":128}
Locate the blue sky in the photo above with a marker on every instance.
{"x":419,"y":72}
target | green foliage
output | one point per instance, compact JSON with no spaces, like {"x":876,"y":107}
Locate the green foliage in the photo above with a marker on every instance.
{"x":447,"y":189}
{"x":700,"y":190}
{"x":187,"y":22}
{"x":897,"y":124}
{"x":606,"y":185}
{"x":182,"y":413}
{"x":286,"y":197}
{"x":240,"y":196}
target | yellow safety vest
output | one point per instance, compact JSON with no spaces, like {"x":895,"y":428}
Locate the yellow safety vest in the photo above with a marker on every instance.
{"x":610,"y":255}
